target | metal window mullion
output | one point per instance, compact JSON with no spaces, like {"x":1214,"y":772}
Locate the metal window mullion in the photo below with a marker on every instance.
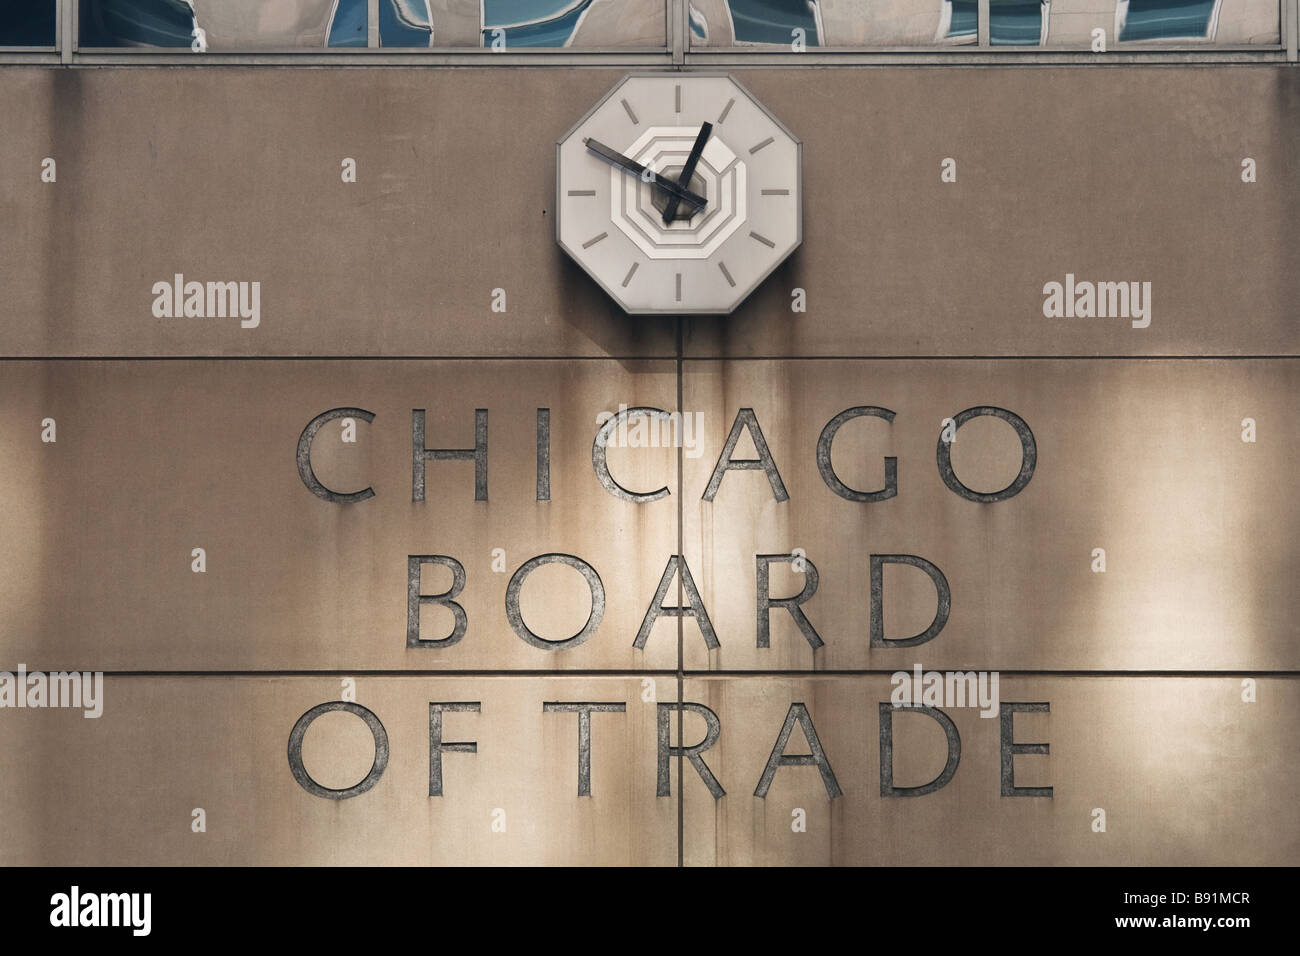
{"x":372,"y":24}
{"x":67,"y":29}
{"x":1291,"y":28}
{"x":678,"y":19}
{"x":982,"y":23}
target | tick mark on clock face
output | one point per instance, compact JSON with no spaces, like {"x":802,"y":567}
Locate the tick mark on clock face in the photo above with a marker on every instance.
{"x":727,"y":275}
{"x":725,"y":110}
{"x":630,"y":273}
{"x":771,"y":192}
{"x":679,"y":287}
{"x":630,"y":115}
{"x":677,"y":99}
{"x":767,"y":142}
{"x":763,"y":239}
{"x":595,"y":239}
{"x":587,"y":192}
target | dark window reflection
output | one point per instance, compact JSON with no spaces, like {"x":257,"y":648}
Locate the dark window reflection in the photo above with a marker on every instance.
{"x":774,"y":21}
{"x":109,"y":23}
{"x":522,"y":23}
{"x":350,"y":25}
{"x":1015,"y":22}
{"x":1167,"y":19}
{"x":404,"y":23}
{"x":27,"y":22}
{"x":964,"y":19}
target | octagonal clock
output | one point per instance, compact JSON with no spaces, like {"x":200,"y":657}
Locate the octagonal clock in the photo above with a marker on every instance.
{"x":679,"y":193}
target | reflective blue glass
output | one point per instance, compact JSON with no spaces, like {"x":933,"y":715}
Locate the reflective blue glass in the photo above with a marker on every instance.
{"x":1166,"y":19}
{"x":108,"y":23}
{"x":350,"y":25}
{"x":965,"y":18}
{"x":1015,"y":22}
{"x":404,"y":23}
{"x":774,"y":21}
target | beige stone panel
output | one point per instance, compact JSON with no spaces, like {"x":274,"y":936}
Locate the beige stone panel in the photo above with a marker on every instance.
{"x":120,"y":790}
{"x":1124,"y":174}
{"x":1143,"y":459}
{"x":154,"y":459}
{"x":158,"y":175}
{"x":1187,"y":773}
{"x":236,"y":175}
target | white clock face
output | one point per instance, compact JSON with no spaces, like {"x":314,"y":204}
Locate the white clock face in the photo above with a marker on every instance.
{"x":655,"y":240}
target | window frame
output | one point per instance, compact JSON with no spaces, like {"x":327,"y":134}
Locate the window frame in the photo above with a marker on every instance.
{"x":373,"y":48}
{"x":679,"y":50}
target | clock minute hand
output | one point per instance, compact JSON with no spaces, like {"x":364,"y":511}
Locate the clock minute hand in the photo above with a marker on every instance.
{"x":688,"y":170}
{"x":632,"y":166}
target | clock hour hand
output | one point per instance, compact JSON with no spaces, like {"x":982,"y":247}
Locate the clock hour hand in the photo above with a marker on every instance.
{"x":688,"y":170}
{"x":674,"y":191}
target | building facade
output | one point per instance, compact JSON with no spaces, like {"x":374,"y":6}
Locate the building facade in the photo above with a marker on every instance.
{"x":302,"y":404}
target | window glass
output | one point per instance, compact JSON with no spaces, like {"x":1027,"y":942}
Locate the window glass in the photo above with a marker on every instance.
{"x":27,"y":22}
{"x":1194,"y":23}
{"x":154,"y":23}
{"x":1166,"y":19}
{"x":405,"y":23}
{"x":964,"y":19}
{"x":269,"y":25}
{"x":775,"y":25}
{"x":574,"y":23}
{"x":537,"y":23}
{"x":795,"y":24}
{"x":774,"y":21}
{"x":1016,"y":22}
{"x":349,"y":26}
{"x":791,"y":24}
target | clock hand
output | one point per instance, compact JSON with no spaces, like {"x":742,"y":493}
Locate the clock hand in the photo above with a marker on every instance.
{"x":632,"y":166}
{"x":688,"y":170}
